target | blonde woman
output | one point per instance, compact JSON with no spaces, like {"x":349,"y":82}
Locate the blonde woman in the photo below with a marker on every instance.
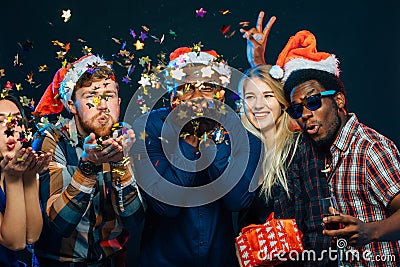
{"x":263,"y":115}
{"x":292,"y":182}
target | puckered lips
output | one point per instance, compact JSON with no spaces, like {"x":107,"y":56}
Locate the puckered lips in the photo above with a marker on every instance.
{"x":312,"y":128}
{"x":11,"y":144}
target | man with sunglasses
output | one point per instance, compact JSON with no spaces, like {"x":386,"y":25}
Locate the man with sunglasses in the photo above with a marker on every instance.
{"x":362,"y":166}
{"x":186,"y":149}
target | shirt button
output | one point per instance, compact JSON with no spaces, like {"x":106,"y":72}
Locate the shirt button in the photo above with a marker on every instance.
{"x":201,"y":243}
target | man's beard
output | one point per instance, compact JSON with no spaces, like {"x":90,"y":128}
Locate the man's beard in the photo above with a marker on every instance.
{"x":331,"y":132}
{"x":100,"y":131}
{"x":205,"y":125}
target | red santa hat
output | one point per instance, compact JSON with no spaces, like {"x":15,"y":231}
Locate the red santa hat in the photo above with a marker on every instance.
{"x":301,"y":53}
{"x":57,"y":94}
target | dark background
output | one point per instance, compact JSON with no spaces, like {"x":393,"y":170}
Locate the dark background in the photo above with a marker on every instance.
{"x":363,"y":34}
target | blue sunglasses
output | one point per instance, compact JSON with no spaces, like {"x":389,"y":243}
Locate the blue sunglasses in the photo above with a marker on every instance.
{"x":312,"y":103}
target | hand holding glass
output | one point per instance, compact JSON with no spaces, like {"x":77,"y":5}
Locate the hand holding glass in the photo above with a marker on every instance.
{"x":329,"y":205}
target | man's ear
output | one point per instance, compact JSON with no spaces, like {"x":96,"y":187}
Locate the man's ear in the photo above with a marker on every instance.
{"x":340,"y":100}
{"x":71,"y":106}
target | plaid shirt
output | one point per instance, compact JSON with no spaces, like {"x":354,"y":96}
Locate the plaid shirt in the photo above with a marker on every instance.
{"x":82,"y":220}
{"x":365,"y":178}
{"x":307,"y":185}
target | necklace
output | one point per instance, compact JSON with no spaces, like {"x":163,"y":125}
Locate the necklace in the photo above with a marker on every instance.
{"x":328,"y":166}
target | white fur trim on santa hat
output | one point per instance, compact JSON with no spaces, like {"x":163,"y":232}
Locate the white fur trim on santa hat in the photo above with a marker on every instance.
{"x":200,"y":58}
{"x":331,"y":65}
{"x":72,"y":76}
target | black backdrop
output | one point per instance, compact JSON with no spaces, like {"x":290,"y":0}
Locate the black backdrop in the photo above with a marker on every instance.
{"x":363,"y":34}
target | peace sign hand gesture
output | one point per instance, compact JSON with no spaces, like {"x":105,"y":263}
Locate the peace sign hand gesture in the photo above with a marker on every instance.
{"x":257,"y":40}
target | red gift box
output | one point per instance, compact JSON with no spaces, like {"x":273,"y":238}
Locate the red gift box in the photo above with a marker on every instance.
{"x":270,"y":243}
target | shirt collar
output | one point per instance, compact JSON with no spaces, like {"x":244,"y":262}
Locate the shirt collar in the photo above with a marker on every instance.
{"x":343,"y":139}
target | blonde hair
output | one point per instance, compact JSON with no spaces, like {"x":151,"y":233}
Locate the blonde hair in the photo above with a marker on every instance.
{"x":275,"y":160}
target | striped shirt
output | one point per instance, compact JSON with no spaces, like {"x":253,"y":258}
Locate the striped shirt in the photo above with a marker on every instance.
{"x":82,"y":218}
{"x":365,"y":178}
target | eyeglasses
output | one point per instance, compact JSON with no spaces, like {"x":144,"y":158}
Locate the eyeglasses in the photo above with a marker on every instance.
{"x":312,"y":103}
{"x":206,"y":89}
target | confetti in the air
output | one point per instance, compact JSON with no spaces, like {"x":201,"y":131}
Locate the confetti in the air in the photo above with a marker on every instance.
{"x":66,"y":15}
{"x":201,"y":12}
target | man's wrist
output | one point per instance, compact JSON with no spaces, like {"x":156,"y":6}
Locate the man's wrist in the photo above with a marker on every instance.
{"x":88,"y":167}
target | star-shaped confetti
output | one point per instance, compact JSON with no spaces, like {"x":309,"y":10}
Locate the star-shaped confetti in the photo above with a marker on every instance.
{"x":144,"y":108}
{"x":178,"y":74}
{"x":60,"y":54}
{"x":43,"y":68}
{"x":24,"y":101}
{"x":2,"y":73}
{"x":18,"y":86}
{"x":197,"y":47}
{"x":138,"y":45}
{"x":143,"y":135}
{"x":126,"y":79}
{"x":144,"y":81}
{"x":201,"y":12}
{"x":144,"y":60}
{"x":173,"y":33}
{"x":207,"y":72}
{"x":86,"y":50}
{"x":143,"y":36}
{"x":182,"y":114}
{"x":29,"y":78}
{"x":66,"y":15}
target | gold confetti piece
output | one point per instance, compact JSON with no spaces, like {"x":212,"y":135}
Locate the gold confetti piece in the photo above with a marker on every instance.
{"x":138,"y":45}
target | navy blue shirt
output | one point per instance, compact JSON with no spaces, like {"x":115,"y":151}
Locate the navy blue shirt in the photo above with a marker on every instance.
{"x":199,"y":235}
{"x":8,"y":258}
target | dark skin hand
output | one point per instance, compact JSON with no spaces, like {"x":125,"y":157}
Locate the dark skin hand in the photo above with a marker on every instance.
{"x":358,"y":233}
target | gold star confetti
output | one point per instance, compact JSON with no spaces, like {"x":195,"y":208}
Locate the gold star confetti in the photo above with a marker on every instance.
{"x":138,"y":45}
{"x":86,"y":50}
{"x":197,"y":48}
{"x":24,"y":101}
{"x":222,"y":110}
{"x":182,"y":114}
{"x":60,"y":54}
{"x":29,"y":78}
{"x":144,"y":60}
{"x":66,"y":15}
{"x":144,"y":108}
{"x":43,"y":68}
{"x":19,"y":87}
{"x":96,"y":101}
{"x":2,"y":73}
{"x":64,"y":63}
{"x":143,"y":135}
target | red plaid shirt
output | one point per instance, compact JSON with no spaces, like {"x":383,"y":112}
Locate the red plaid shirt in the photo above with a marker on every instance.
{"x":365,"y":178}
